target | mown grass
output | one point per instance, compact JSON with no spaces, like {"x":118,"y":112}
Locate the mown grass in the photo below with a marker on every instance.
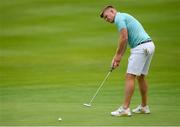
{"x":53,"y":55}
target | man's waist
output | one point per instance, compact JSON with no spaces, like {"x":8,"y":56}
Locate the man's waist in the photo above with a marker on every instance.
{"x":144,"y":42}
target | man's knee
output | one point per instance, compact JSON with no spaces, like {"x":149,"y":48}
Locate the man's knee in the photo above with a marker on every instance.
{"x":130,"y":76}
{"x":141,"y":77}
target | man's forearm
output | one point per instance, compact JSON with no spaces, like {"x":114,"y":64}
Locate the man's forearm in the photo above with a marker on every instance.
{"x":121,"y":47}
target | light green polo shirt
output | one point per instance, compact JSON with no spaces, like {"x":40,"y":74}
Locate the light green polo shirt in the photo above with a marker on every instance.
{"x":136,"y":32}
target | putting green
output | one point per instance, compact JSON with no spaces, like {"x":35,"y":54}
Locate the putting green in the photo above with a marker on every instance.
{"x":54,"y":54}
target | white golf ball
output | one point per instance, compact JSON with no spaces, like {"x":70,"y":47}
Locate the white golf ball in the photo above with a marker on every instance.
{"x":60,"y":119}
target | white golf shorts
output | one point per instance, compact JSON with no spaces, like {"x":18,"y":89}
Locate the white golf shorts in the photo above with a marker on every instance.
{"x":140,"y":59}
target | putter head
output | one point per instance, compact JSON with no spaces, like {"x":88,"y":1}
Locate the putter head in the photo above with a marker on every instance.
{"x":87,"y":105}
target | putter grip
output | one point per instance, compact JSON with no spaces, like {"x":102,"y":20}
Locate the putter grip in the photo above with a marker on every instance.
{"x":111,"y":69}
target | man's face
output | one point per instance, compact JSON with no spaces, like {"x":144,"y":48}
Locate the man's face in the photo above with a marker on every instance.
{"x":109,"y":15}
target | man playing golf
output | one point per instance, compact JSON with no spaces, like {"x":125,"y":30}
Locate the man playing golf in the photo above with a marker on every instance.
{"x":142,"y":48}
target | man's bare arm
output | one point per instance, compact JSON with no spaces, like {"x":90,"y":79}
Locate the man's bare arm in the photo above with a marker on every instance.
{"x":121,"y":48}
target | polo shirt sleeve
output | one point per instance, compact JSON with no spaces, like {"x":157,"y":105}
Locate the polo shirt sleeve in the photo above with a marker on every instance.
{"x":120,"y":22}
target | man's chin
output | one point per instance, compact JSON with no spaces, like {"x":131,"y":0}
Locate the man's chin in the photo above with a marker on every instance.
{"x":112,"y":21}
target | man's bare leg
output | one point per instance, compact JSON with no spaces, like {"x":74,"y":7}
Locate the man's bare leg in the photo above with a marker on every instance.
{"x":129,"y":89}
{"x":143,"y":87}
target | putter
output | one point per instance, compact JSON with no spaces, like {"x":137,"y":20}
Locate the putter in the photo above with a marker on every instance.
{"x":95,"y":94}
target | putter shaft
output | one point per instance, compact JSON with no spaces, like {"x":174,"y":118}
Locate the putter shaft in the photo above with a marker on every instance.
{"x":100,"y":86}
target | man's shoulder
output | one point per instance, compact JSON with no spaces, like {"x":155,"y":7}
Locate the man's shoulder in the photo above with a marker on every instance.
{"x":120,"y":15}
{"x":123,"y":15}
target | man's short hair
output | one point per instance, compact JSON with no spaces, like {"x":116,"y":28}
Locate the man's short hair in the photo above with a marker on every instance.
{"x":104,"y":9}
